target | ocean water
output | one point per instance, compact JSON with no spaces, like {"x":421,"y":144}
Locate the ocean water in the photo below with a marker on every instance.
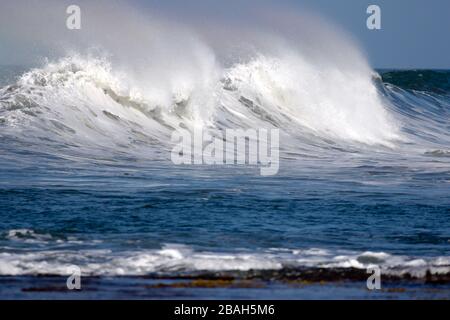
{"x":86,"y":177}
{"x":334,"y":204}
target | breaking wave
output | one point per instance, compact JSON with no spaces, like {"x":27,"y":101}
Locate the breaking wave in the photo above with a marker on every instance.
{"x":83,"y":100}
{"x":179,"y":259}
{"x":128,"y":94}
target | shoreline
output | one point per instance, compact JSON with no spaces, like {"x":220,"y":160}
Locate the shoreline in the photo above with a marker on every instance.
{"x":285,"y":284}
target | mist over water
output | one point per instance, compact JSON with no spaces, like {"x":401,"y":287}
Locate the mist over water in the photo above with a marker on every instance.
{"x":85,"y":169}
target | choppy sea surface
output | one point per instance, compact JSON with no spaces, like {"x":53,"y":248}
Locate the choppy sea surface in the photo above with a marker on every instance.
{"x":86,"y":179}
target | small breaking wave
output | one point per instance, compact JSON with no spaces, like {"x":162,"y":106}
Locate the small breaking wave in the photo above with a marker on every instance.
{"x":27,"y":235}
{"x":175,"y":259}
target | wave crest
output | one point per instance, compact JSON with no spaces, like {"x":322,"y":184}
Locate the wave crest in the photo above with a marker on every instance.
{"x":84,"y":97}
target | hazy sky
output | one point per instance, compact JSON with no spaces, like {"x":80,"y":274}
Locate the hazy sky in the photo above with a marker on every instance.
{"x":414,"y":34}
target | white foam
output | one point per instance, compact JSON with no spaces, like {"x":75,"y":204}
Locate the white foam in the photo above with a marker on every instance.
{"x":83,"y":101}
{"x":27,"y":235}
{"x":339,"y":102}
{"x":171,"y":258}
